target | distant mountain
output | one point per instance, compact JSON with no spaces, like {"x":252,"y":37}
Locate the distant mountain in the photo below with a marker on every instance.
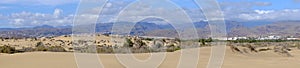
{"x":141,"y":28}
{"x":200,"y":24}
{"x":7,"y":29}
{"x":234,"y":28}
{"x":38,"y":31}
{"x":43,"y":26}
{"x":255,"y":23}
{"x":280,"y":28}
{"x":283,"y":28}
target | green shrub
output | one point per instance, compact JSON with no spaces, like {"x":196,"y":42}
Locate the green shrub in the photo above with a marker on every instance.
{"x":105,"y":50}
{"x":173,"y":48}
{"x":177,"y":48}
{"x":26,"y":49}
{"x":128,"y":43}
{"x":7,"y":49}
{"x":56,"y":49}
{"x":177,"y":39}
{"x":202,"y":41}
{"x":148,"y":39}
{"x":40,"y":47}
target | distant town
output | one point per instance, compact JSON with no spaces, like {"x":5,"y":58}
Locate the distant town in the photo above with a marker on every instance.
{"x":271,"y":37}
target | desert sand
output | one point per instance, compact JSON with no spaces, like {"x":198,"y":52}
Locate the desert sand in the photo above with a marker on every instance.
{"x":232,"y":60}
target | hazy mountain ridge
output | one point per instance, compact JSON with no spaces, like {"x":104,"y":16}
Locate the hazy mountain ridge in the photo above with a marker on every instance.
{"x":282,"y":28}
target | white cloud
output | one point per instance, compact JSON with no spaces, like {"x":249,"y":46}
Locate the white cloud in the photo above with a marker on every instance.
{"x":57,"y":13}
{"x":231,"y":10}
{"x":23,"y":19}
{"x":242,"y":4}
{"x":264,"y":11}
{"x":39,"y":2}
{"x":291,"y":10}
{"x":285,"y":14}
{"x":245,"y":10}
{"x":249,"y":17}
{"x":108,"y":5}
{"x":112,"y":9}
{"x":17,"y":21}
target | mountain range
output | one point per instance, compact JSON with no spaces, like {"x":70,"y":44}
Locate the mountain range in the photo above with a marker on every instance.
{"x":234,"y":28}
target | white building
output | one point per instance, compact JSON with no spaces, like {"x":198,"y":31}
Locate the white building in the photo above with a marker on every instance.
{"x":292,"y":39}
{"x":236,"y":38}
{"x":273,"y":37}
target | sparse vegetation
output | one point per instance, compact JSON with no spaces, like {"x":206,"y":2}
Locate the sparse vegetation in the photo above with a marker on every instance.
{"x":135,"y":44}
{"x":204,"y":41}
{"x":56,"y":49}
{"x":40,"y":47}
{"x":148,"y":39}
{"x":128,"y":43}
{"x":7,"y":49}
{"x":172,"y":48}
{"x":177,"y":39}
{"x":27,"y":49}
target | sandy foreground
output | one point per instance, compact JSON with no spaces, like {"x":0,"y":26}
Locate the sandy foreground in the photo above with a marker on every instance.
{"x":232,"y":60}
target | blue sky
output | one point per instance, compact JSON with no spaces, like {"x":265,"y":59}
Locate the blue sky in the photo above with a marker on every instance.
{"x":26,"y":13}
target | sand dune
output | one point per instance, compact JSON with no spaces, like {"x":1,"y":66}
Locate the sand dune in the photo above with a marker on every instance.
{"x":232,"y":60}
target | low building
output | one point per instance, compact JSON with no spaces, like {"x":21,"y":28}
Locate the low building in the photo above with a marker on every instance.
{"x":236,"y":38}
{"x":273,"y":37}
{"x":292,"y":38}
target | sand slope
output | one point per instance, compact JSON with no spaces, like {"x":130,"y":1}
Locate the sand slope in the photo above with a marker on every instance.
{"x":232,"y":60}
